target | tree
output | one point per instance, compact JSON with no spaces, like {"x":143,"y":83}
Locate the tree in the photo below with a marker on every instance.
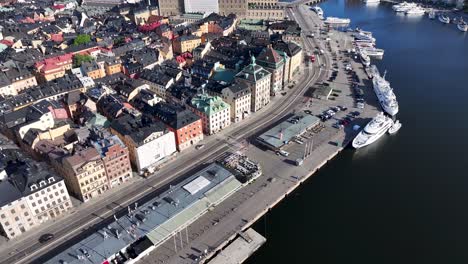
{"x":82,"y":39}
{"x":78,"y":59}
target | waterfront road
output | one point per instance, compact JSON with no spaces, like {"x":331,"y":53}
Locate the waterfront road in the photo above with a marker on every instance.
{"x":91,"y":216}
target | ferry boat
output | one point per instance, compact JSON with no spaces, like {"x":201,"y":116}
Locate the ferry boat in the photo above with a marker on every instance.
{"x":444,"y":19}
{"x":365,"y":59}
{"x":415,"y":11}
{"x":432,"y":14}
{"x":374,"y":130}
{"x":462,"y":25}
{"x":336,"y":20}
{"x":384,"y":92}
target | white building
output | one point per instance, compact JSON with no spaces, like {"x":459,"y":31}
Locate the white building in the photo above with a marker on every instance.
{"x":148,"y":142}
{"x":238,"y":96}
{"x":201,"y":6}
{"x":213,"y":111}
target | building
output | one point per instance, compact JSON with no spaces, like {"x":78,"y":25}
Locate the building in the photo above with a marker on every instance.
{"x":171,"y":7}
{"x":213,"y":111}
{"x":133,"y":236}
{"x":149,"y":143}
{"x":294,"y":52}
{"x":85,"y":174}
{"x":54,"y":67}
{"x":30,"y":194}
{"x":238,"y":96}
{"x":185,"y":43}
{"x":186,"y":125}
{"x":116,"y":159}
{"x":258,"y":80}
{"x":111,"y":65}
{"x":238,"y":7}
{"x":258,"y":9}
{"x":158,"y":81}
{"x":201,"y":6}
{"x":281,"y":134}
{"x":15,"y":79}
{"x":271,"y":61}
{"x":93,"y":70}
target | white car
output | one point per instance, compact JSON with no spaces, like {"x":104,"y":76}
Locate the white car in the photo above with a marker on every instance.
{"x":282,"y":153}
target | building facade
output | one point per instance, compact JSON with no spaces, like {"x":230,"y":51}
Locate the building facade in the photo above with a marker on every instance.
{"x":213,"y":111}
{"x":201,"y":6}
{"x":271,"y":61}
{"x":238,"y":96}
{"x":237,"y":7}
{"x":258,"y":80}
{"x":116,"y":160}
{"x":85,"y":174}
{"x":185,"y":43}
{"x":171,"y":7}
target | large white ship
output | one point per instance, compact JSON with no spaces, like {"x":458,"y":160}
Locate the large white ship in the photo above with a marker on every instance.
{"x":375,"y":129}
{"x":384,"y":92}
{"x":336,"y":20}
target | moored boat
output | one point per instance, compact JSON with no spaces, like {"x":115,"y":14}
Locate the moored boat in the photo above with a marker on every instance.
{"x":394,"y":128}
{"x":374,"y":130}
{"x":462,"y":25}
{"x":444,"y":19}
{"x":432,"y":14}
{"x":384,"y":92}
{"x":337,"y":20}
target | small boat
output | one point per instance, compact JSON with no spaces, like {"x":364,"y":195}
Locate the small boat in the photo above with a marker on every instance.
{"x":462,"y":25}
{"x":393,"y":129}
{"x":432,"y":14}
{"x":444,"y":19}
{"x":365,"y":59}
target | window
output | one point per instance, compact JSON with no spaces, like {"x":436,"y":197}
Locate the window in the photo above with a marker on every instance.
{"x":17,"y":219}
{"x":13,"y":211}
{"x":7,"y":224}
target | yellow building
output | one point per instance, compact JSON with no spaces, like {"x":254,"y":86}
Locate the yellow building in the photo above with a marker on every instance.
{"x":185,"y":43}
{"x":93,"y":70}
{"x":85,"y":174}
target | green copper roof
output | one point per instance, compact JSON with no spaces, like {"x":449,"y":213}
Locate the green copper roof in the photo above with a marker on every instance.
{"x":209,"y":104}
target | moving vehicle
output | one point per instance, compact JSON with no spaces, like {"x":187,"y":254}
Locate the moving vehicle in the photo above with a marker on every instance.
{"x":199,"y":146}
{"x":46,"y":237}
{"x":312,"y":58}
{"x":374,"y":130}
{"x":384,"y":92}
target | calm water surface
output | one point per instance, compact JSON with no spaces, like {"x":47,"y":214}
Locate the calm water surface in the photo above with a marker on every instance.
{"x":405,"y":198}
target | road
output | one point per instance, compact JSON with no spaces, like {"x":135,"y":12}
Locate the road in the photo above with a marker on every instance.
{"x":87,"y":218}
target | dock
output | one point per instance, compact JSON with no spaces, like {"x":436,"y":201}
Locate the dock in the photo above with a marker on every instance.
{"x":240,"y":249}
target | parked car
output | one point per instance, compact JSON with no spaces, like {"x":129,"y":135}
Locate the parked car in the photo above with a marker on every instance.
{"x":282,"y":153}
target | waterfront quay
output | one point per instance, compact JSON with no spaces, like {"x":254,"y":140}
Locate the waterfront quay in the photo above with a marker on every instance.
{"x":214,"y":231}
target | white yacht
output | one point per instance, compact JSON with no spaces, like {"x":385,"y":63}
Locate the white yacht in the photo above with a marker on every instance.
{"x":462,"y":25}
{"x":373,"y":52}
{"x":403,"y":7}
{"x":365,"y":37}
{"x":384,"y":92}
{"x":365,"y":59}
{"x":318,"y":10}
{"x":444,"y":19}
{"x":415,"y":11}
{"x":336,"y":20}
{"x":375,"y":129}
{"x":371,"y":1}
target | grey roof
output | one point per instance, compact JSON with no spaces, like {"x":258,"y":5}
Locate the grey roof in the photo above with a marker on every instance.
{"x":138,"y":128}
{"x":150,"y":222}
{"x":174,"y":116}
{"x":253,"y":72}
{"x":282,"y":133}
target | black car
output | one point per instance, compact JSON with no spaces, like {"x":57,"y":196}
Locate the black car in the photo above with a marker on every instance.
{"x":46,"y":237}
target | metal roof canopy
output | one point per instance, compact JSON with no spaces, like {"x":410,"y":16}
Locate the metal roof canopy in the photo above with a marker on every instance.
{"x":196,"y":185}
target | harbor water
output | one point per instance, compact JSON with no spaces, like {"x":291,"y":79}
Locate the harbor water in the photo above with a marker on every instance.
{"x":403,"y":199}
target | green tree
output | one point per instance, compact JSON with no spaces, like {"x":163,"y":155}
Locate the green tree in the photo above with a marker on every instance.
{"x":82,"y":39}
{"x":78,"y":59}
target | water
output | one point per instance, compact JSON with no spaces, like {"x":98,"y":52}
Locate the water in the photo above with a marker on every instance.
{"x":405,"y":198}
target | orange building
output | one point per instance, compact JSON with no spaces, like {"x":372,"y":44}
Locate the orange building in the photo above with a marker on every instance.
{"x":55,"y":67}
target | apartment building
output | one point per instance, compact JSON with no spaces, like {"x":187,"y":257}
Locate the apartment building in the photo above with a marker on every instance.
{"x":258,"y":80}
{"x":85,"y":174}
{"x":213,"y":111}
{"x":14,"y":79}
{"x":271,"y":61}
{"x":171,"y":7}
{"x":238,"y":96}
{"x":185,"y":43}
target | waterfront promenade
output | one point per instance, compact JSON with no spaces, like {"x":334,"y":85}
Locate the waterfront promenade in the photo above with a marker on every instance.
{"x":280,"y":177}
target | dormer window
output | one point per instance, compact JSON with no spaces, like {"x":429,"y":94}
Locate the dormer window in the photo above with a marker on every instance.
{"x":42,"y":183}
{"x":33,"y":187}
{"x":51,"y":180}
